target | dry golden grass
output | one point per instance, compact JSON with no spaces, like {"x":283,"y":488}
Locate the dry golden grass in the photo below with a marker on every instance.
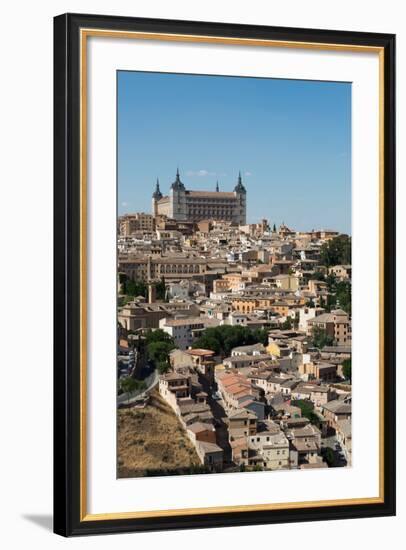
{"x":152,"y":439}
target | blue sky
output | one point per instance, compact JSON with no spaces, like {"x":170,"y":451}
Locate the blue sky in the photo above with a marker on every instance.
{"x":291,"y":140}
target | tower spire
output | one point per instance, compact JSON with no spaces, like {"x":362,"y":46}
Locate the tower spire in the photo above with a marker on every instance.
{"x":177,"y":184}
{"x":157,"y":193}
{"x":239,"y":188}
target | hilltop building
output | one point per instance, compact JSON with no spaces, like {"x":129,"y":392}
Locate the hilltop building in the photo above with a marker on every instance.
{"x":184,"y":204}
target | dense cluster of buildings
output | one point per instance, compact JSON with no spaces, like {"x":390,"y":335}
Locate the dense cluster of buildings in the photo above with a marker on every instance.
{"x":277,"y":404}
{"x":249,"y":410}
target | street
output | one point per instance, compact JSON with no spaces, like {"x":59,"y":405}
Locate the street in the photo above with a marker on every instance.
{"x":220,"y":417}
{"x":339,"y":453}
{"x":151,"y":381}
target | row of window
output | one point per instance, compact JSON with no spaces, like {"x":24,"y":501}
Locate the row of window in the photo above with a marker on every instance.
{"x":142,"y":272}
{"x":210,"y":213}
{"x":210,"y":202}
{"x":180,"y":268}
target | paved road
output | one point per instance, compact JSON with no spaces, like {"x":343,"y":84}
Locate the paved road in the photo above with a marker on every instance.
{"x":151,"y":381}
{"x":339,"y":453}
{"x":221,"y":427}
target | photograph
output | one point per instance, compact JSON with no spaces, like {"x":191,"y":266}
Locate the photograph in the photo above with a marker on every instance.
{"x":224,"y":252}
{"x":234,"y":277}
{"x":207,"y":198}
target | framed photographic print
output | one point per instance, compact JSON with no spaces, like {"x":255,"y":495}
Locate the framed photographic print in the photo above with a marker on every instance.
{"x":224,"y":253}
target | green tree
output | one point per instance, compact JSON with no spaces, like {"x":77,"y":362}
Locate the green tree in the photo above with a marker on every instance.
{"x":347,"y":369}
{"x":158,"y":335}
{"x":224,"y":338}
{"x":134,"y":288}
{"x":158,"y":351}
{"x":307,"y":409}
{"x":336,"y":251}
{"x":163,"y":366}
{"x":158,"y":345}
{"x":274,"y":228}
{"x":129,"y":385}
{"x":318,"y":276}
{"x":343,"y":295}
{"x":339,"y":292}
{"x":330,"y":302}
{"x":260,"y":336}
{"x":122,"y":277}
{"x":329,"y":456}
{"x":331,"y":281}
{"x":305,"y":406}
{"x":320,"y":338}
{"x":314,"y":419}
{"x":287,"y":325}
{"x":161,"y":289}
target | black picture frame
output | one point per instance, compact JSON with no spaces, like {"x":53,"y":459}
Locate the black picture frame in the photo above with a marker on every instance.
{"x":67,"y":381}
